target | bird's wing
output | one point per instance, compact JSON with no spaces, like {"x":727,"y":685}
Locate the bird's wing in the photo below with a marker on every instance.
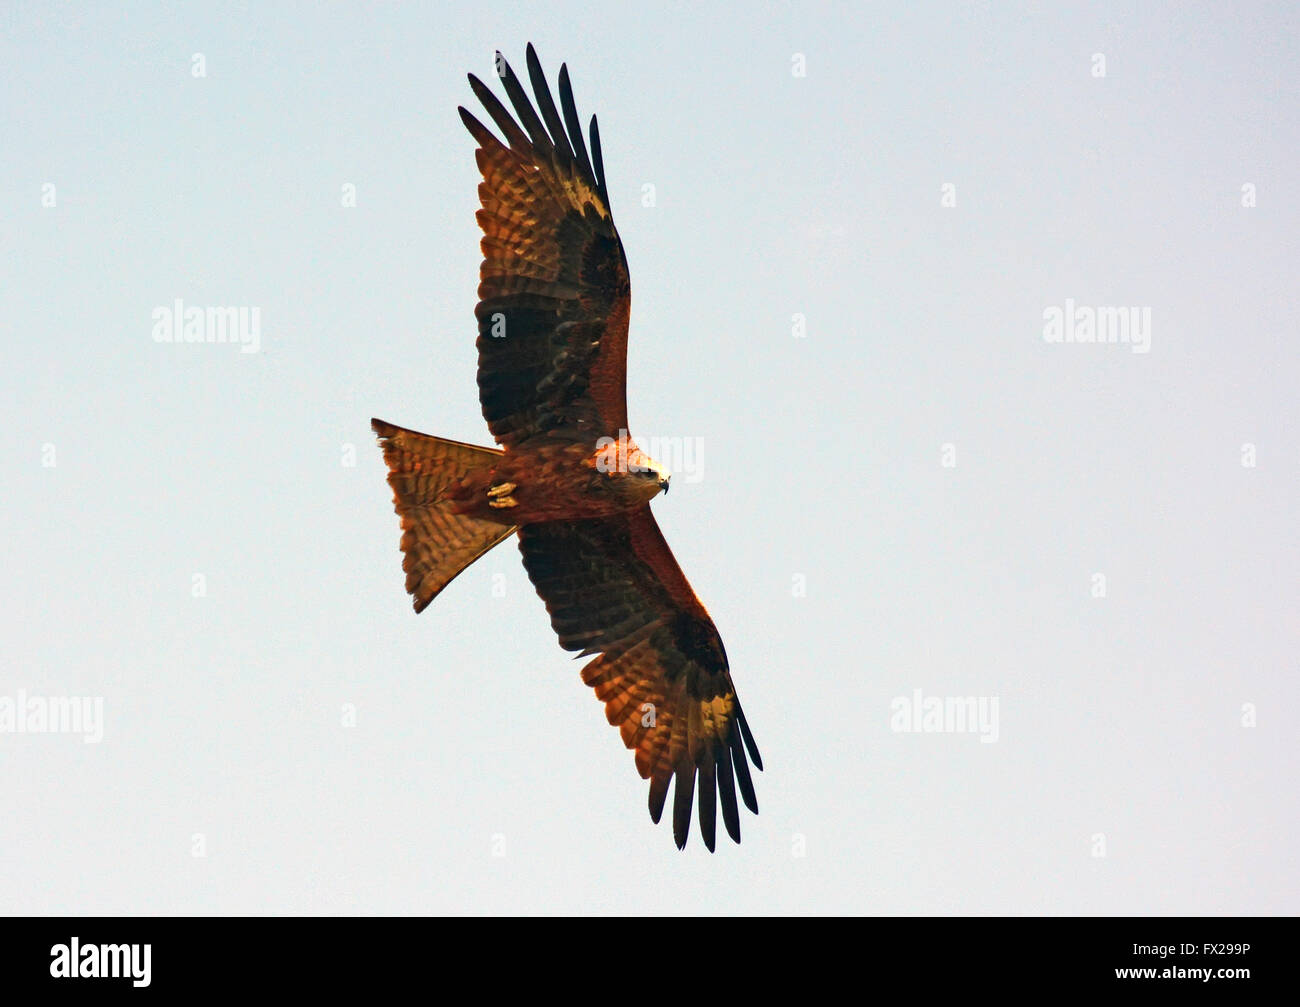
{"x":613,"y":588}
{"x":554,"y":294}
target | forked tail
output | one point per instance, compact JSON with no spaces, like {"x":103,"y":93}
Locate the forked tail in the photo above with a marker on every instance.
{"x":437,"y":543}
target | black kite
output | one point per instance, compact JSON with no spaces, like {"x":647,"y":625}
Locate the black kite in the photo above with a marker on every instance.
{"x":552,"y":347}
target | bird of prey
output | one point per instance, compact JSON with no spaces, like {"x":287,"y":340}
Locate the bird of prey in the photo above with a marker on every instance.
{"x":553,"y":311}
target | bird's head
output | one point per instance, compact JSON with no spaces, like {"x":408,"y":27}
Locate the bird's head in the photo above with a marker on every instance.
{"x":652,"y":475}
{"x":633,"y":472}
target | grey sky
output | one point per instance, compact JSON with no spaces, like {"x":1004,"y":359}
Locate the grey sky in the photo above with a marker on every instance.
{"x":823,"y":458}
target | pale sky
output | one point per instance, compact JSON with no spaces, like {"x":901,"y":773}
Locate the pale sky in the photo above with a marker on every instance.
{"x":918,"y":495}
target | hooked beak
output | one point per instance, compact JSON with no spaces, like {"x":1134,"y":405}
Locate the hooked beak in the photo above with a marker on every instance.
{"x":663,"y":484}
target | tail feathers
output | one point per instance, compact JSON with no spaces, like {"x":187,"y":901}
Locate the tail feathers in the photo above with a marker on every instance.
{"x":437,"y":544}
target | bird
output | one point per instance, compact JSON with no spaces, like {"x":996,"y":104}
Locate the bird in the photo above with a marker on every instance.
{"x":566,"y":478}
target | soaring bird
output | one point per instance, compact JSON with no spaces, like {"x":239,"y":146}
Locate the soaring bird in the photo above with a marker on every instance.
{"x":567,"y":479}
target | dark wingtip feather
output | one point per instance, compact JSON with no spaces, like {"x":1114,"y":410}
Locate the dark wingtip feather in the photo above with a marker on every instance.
{"x":683,"y":798}
{"x":749,"y":739}
{"x":538,"y":138}
{"x":573,"y":124}
{"x":599,"y":160}
{"x":477,"y":86}
{"x":546,"y":105}
{"x":743,"y":780}
{"x":477,"y":130}
{"x":727,"y":794}
{"x":708,"y":804}
{"x":658,"y":794}
{"x":515,"y":136}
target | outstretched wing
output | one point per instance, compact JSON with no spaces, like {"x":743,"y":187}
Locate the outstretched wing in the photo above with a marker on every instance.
{"x":554,"y":294}
{"x":613,"y":588}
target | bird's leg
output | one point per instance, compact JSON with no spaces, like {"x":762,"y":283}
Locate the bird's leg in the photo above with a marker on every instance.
{"x":499,"y":495}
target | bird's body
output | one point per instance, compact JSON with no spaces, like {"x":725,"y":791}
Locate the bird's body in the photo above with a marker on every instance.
{"x":551,"y":480}
{"x":553,"y":312}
